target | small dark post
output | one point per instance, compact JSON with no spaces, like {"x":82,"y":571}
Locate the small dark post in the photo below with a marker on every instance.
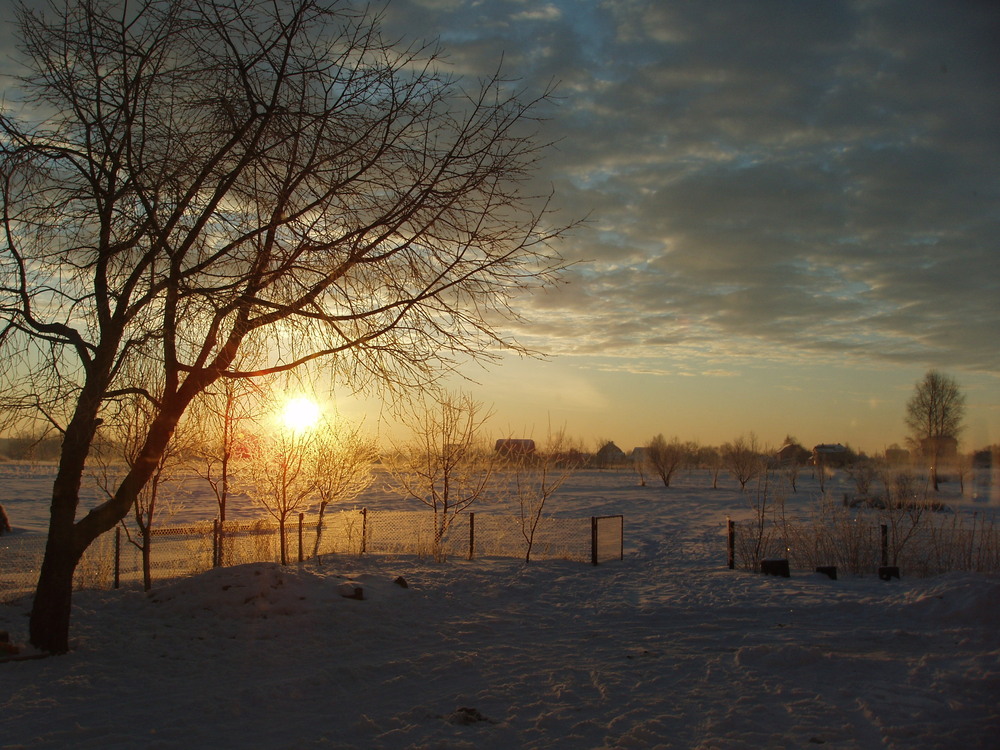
{"x":301,"y":518}
{"x":593,"y":540}
{"x":472,"y":535}
{"x":885,"y":545}
{"x":731,"y":543}
{"x":364,"y":529}
{"x":830,"y":571}
{"x":118,"y":555}
{"x":216,"y":551}
{"x":775,"y":568}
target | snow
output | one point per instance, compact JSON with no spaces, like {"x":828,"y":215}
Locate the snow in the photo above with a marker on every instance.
{"x":666,"y":648}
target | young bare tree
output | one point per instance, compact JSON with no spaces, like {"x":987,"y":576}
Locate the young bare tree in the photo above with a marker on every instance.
{"x":188,"y":177}
{"x":533,"y":479}
{"x":934,"y":414}
{"x":446,"y":466}
{"x":224,"y":419}
{"x":744,"y":459}
{"x":277,"y":473}
{"x":123,"y":443}
{"x":342,"y":469}
{"x":666,"y":458}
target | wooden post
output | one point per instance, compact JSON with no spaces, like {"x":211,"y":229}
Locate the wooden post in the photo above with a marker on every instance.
{"x":885,"y":545}
{"x":301,"y":518}
{"x":593,"y":540}
{"x":364,"y":531}
{"x":621,"y":533}
{"x":472,"y":535}
{"x":731,"y":543}
{"x":216,"y":551}
{"x":118,"y":555}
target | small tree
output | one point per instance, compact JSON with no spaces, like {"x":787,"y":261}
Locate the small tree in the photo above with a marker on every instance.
{"x":934,"y":414}
{"x":665,"y":458}
{"x":276,"y":471}
{"x":223,"y":418}
{"x":342,"y":469}
{"x":743,"y":459}
{"x":446,"y":466}
{"x":534,"y":479}
{"x":121,"y":444}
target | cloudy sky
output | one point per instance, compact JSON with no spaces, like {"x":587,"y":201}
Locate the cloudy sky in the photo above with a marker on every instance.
{"x":794,"y":212}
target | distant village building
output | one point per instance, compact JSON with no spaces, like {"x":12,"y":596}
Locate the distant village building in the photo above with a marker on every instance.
{"x":896,"y":456}
{"x":515,"y":446}
{"x":609,"y":455}
{"x":939,"y":448}
{"x":793,"y":454}
{"x":830,"y":454}
{"x":638,"y":455}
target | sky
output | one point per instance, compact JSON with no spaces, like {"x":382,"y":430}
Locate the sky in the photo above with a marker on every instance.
{"x":792,"y":213}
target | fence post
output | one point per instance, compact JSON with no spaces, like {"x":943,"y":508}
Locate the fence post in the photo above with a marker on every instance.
{"x":364,"y":529}
{"x":472,"y":535}
{"x":301,"y":517}
{"x":885,"y":545}
{"x":216,"y":553}
{"x":118,"y":555}
{"x":593,"y":540}
{"x":731,"y":543}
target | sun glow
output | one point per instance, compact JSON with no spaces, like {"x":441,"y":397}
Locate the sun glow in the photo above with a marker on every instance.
{"x":300,"y":414}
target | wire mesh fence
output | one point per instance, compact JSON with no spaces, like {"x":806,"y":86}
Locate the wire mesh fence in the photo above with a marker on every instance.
{"x":862,"y":547}
{"x":115,"y":559}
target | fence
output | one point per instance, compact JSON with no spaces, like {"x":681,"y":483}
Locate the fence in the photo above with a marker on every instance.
{"x":863,"y":547}
{"x":112,"y":560}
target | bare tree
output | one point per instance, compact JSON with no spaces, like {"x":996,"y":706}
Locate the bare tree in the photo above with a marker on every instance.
{"x":342,"y":469}
{"x":665,"y":458}
{"x":122,"y":446}
{"x":224,"y":416}
{"x":744,"y":459}
{"x":533,"y":479}
{"x":934,"y":414}
{"x":446,"y":466}
{"x":193,"y":176}
{"x":276,"y":472}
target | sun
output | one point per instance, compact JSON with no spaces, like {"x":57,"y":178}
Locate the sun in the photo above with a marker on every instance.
{"x":301,"y":413}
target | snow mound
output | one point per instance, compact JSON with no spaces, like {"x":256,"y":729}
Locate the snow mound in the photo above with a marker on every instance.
{"x":953,"y":599}
{"x":260,"y":590}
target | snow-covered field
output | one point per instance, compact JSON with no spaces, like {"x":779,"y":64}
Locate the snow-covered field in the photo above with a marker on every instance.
{"x":667,"y":648}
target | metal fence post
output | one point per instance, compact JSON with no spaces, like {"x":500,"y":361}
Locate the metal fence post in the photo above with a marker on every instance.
{"x":472,"y":535}
{"x":731,"y":543}
{"x":216,"y":554}
{"x":885,"y":545}
{"x":118,"y":555}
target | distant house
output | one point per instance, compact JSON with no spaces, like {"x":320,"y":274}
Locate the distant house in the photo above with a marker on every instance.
{"x":515,"y":446}
{"x":896,"y":456}
{"x":793,"y":454}
{"x":609,"y":455}
{"x":830,"y":454}
{"x":638,"y":455}
{"x":939,"y":448}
